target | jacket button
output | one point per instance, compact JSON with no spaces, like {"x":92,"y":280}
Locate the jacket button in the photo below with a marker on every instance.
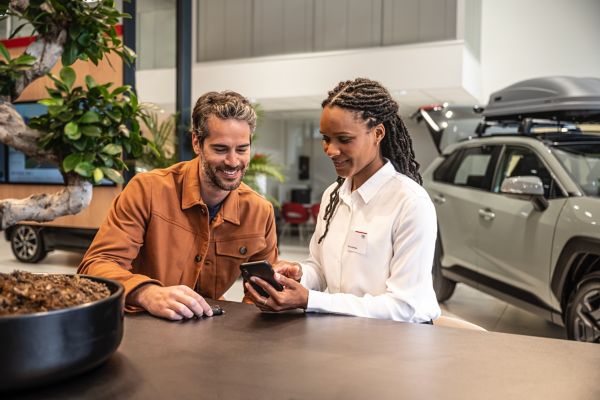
{"x":243,"y":250}
{"x":197,"y":258}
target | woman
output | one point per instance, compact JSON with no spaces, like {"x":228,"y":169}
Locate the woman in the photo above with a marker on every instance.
{"x":374,"y":241}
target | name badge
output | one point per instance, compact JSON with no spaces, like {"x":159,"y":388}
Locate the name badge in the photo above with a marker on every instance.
{"x":357,"y":242}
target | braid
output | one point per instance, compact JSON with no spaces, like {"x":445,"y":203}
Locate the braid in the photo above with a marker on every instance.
{"x":374,"y":104}
{"x":334,"y":199}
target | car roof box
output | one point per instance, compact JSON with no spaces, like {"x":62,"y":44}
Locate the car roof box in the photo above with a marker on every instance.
{"x":562,"y":97}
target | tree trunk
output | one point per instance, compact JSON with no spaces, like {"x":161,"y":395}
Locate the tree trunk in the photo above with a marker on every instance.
{"x":46,"y":207}
{"x":14,"y":133}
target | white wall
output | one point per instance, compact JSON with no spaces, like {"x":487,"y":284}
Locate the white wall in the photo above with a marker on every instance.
{"x":523,"y":39}
{"x":424,"y":73}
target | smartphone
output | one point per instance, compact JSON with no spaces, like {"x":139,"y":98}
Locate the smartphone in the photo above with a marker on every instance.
{"x":264,"y":271}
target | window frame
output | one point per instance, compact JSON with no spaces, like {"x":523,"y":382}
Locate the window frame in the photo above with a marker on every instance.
{"x":559,"y":190}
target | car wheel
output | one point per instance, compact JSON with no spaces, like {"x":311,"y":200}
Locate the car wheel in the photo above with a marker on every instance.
{"x":27,"y":244}
{"x":443,"y":287}
{"x":583,"y":313}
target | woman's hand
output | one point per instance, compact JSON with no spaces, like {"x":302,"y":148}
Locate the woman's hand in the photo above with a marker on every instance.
{"x":293,"y":295}
{"x":290,"y":269}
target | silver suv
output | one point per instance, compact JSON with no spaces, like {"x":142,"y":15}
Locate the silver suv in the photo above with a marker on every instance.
{"x":519,"y":211}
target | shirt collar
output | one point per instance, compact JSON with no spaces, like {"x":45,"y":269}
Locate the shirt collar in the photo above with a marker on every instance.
{"x":369,"y":189}
{"x":190,"y":196}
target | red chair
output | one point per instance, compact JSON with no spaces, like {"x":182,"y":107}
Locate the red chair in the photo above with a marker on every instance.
{"x":294,"y":214}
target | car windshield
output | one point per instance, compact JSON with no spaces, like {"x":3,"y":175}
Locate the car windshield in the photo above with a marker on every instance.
{"x":582,"y":161}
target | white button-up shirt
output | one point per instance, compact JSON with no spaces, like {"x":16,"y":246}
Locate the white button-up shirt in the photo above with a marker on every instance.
{"x":377,"y":256}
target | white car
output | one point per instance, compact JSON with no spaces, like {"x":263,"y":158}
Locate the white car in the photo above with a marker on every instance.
{"x":519,"y":211}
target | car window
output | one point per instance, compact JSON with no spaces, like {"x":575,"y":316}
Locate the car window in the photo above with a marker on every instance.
{"x":476,"y":167}
{"x":522,"y":161}
{"x":582,"y":162}
{"x":446,"y":170}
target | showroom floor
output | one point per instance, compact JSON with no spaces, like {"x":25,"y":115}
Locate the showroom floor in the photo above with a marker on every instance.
{"x":467,"y":303}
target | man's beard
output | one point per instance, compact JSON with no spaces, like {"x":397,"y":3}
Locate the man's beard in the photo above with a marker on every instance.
{"x":214,"y":180}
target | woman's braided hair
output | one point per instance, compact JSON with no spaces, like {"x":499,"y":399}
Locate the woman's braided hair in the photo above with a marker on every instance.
{"x":374,"y":104}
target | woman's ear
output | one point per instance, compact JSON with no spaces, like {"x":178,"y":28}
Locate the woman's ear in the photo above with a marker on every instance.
{"x":379,"y":133}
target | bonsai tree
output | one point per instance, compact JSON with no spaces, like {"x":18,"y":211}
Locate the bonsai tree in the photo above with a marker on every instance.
{"x":87,"y":129}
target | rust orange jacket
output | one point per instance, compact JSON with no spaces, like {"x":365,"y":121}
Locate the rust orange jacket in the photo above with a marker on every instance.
{"x":158,"y":230}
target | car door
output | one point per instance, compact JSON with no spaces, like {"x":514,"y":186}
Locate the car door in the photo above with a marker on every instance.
{"x":515,"y":240}
{"x":456,"y":190}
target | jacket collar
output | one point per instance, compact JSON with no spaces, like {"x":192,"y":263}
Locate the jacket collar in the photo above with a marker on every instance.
{"x":190,"y":197}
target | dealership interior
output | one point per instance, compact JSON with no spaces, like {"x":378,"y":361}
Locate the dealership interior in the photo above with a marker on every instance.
{"x":449,"y":65}
{"x":283,"y":56}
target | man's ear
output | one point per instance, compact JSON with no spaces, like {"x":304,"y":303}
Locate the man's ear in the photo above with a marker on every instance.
{"x":196,"y":144}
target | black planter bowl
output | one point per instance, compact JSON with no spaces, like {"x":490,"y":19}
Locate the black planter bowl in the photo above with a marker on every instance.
{"x":41,"y":348}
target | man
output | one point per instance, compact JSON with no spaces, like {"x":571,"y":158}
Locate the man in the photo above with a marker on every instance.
{"x":177,"y":235}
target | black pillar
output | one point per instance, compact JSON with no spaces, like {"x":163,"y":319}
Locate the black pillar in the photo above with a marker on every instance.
{"x":129,"y":27}
{"x":184,"y":78}
{"x":129,"y":7}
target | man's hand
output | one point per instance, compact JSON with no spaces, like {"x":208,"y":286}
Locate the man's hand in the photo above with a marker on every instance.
{"x":290,"y":269}
{"x":171,"y":302}
{"x":294,"y":295}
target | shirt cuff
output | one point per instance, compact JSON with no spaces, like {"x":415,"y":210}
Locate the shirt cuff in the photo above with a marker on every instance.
{"x":317,"y":301}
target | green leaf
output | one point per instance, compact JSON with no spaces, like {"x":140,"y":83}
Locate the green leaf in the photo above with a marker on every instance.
{"x":67,"y":74}
{"x":121,"y":89}
{"x":119,"y":163}
{"x":51,"y":102}
{"x":72,"y":130}
{"x":84,"y":39}
{"x":84,"y":168}
{"x":4,"y":52}
{"x":55,"y":110}
{"x":60,"y":85}
{"x":69,"y":55}
{"x":91,"y":130}
{"x":80,"y":144}
{"x":98,"y":175}
{"x":89,"y":117}
{"x":106,"y":160}
{"x":71,"y":161}
{"x":115,"y":114}
{"x":25,"y":59}
{"x":113,"y":175}
{"x":112,"y":149}
{"x":17,"y":30}
{"x":90,"y":82}
{"x":134,"y":100}
{"x":65,"y":116}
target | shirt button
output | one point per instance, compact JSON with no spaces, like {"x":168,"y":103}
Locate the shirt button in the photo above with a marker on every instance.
{"x":243,"y":250}
{"x":197,"y":258}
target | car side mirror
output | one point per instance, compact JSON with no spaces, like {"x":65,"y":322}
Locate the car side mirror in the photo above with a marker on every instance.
{"x":527,"y":188}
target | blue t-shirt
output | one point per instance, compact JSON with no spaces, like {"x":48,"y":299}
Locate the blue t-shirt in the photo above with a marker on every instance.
{"x":212,"y":211}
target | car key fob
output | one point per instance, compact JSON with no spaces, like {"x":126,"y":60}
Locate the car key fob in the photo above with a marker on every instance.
{"x":217,"y":310}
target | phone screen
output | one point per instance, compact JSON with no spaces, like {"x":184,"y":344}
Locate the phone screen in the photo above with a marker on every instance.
{"x":264,"y":271}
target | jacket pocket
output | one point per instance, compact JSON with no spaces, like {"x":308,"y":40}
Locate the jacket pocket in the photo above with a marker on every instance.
{"x":229,"y":255}
{"x":241,"y":249}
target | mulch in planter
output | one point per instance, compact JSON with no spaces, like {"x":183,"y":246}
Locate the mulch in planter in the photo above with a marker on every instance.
{"x":24,"y":293}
